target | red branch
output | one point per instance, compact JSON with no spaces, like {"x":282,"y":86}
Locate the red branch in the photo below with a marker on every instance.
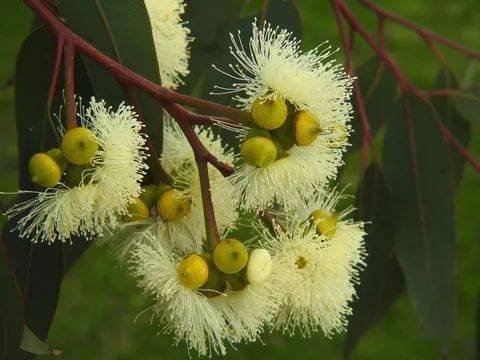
{"x":422,"y":32}
{"x":70,"y":107}
{"x":340,"y":8}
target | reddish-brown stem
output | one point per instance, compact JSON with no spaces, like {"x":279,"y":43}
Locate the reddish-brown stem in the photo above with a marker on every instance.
{"x":56,"y":72}
{"x":185,"y":120}
{"x":70,"y":106}
{"x":340,"y":8}
{"x":347,"y":46}
{"x":460,"y":148}
{"x":424,"y":33}
{"x":158,"y":92}
{"x":159,"y":174}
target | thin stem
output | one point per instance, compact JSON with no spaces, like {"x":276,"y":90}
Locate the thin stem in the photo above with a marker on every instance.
{"x":70,"y":107}
{"x":55,"y":73}
{"x":424,"y":33}
{"x":162,"y":94}
{"x":460,"y":148}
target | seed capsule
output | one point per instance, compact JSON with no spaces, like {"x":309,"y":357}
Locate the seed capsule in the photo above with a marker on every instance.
{"x":149,"y":195}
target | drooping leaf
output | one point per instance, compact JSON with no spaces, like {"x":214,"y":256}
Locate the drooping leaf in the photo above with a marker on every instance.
{"x":11,"y":312}
{"x":477,"y":335}
{"x":419,"y":172}
{"x":467,"y":103}
{"x":379,"y":94}
{"x":381,"y":282}
{"x":121,"y":30}
{"x":209,"y":21}
{"x":33,"y":345}
{"x":38,"y":268}
{"x":452,"y":119}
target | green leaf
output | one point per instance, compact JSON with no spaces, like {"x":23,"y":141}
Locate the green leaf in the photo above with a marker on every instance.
{"x":467,"y":103}
{"x":379,"y":93}
{"x":452,"y":119}
{"x":38,"y":268}
{"x":477,"y":335}
{"x":33,"y":345}
{"x":121,"y":30}
{"x":11,"y":316}
{"x":381,"y":282}
{"x":209,"y":22}
{"x":419,"y":172}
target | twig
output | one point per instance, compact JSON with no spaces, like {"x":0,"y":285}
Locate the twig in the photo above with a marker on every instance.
{"x":70,"y":107}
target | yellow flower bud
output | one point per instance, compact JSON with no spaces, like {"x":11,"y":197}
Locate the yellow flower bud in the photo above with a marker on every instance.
{"x":230,"y":256}
{"x":79,"y":146}
{"x":137,"y":211}
{"x":44,"y":171}
{"x":173,"y":205}
{"x":56,"y":154}
{"x":325,"y":222}
{"x":306,"y":128}
{"x":269,"y":113}
{"x":192,"y":271}
{"x":258,"y":151}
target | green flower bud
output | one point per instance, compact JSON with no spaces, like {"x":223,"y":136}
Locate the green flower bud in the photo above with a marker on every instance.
{"x":230,"y":256}
{"x":137,"y":211}
{"x":56,"y":154}
{"x":74,"y":174}
{"x":306,"y":128}
{"x":44,"y":171}
{"x":258,"y":150}
{"x":79,"y":146}
{"x":269,"y":113}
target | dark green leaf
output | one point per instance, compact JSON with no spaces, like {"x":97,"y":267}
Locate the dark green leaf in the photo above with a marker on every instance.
{"x":120,"y":29}
{"x":379,"y":93}
{"x":39,"y":269}
{"x":467,"y":103}
{"x":382,"y":281}
{"x":451,"y":118}
{"x":33,"y":345}
{"x":418,"y":170}
{"x":477,"y":335}
{"x":11,"y":316}
{"x":209,"y":22}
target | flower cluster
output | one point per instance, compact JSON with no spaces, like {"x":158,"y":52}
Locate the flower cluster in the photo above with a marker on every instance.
{"x":295,"y":272}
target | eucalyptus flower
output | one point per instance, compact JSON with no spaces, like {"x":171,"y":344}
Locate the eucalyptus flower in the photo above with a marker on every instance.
{"x":271,"y":70}
{"x":171,"y":39}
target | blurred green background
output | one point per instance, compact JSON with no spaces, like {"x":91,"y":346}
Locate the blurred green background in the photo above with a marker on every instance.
{"x":99,"y":302}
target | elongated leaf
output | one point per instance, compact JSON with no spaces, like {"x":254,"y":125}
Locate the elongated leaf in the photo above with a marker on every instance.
{"x":120,"y":29}
{"x":467,"y":103}
{"x":39,"y":269}
{"x":379,"y":93}
{"x":452,"y":119}
{"x":382,"y":281}
{"x":419,"y":172}
{"x":477,"y":335}
{"x":33,"y":345}
{"x":11,"y":312}
{"x":209,"y":21}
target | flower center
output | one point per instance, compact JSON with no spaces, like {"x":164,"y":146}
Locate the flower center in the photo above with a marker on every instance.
{"x":301,"y":262}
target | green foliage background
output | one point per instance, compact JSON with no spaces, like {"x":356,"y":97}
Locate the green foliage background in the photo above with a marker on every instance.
{"x":99,"y":302}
